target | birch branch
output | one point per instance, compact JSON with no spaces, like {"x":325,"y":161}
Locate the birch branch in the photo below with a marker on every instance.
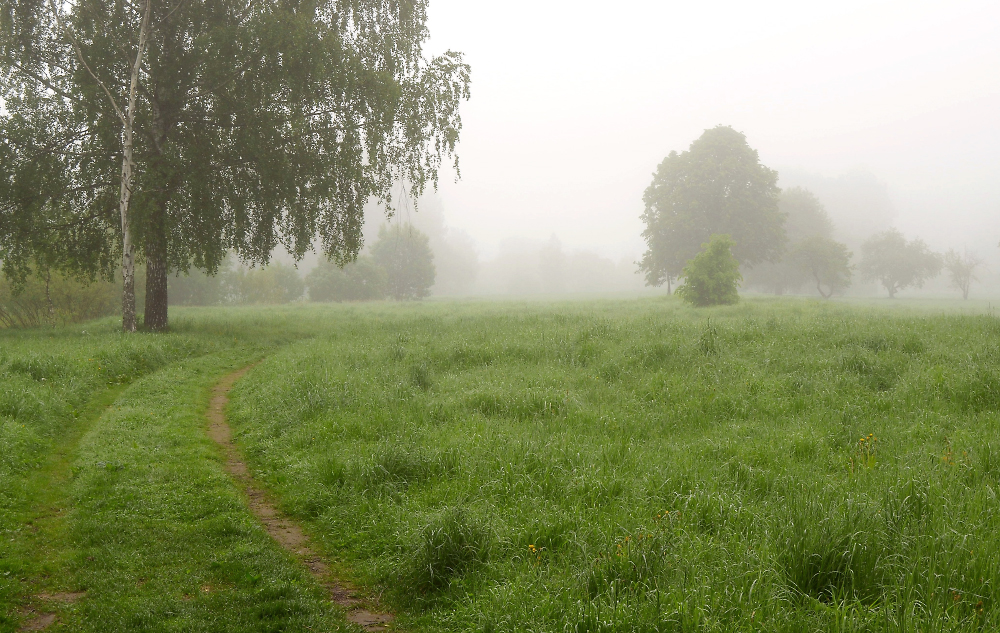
{"x":80,"y":56}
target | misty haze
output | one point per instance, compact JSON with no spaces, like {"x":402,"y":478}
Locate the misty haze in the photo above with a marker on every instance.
{"x":433,"y":316}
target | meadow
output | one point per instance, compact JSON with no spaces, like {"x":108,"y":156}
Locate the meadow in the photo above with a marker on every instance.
{"x":780,"y":465}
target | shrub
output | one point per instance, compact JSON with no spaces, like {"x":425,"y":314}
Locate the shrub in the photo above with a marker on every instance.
{"x":56,"y":299}
{"x":713,"y":276}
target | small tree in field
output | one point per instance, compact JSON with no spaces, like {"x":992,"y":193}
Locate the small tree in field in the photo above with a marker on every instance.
{"x":961,"y":270}
{"x":889,"y":259}
{"x":713,"y":276}
{"x":405,"y":255}
{"x":828,"y":262}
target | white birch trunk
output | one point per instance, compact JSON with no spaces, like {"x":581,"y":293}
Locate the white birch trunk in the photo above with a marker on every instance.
{"x":128,"y":248}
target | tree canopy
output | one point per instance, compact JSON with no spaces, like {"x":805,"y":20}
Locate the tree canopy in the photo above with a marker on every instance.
{"x":896,"y":263}
{"x":961,"y":269}
{"x":256,"y":125}
{"x":718,"y":186}
{"x":826,"y":261}
{"x":812,"y":253}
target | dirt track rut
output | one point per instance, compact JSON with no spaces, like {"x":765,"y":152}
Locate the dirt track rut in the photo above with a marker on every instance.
{"x":281,"y":528}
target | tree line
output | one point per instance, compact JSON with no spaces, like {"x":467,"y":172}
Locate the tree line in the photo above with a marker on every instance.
{"x":715,"y":216}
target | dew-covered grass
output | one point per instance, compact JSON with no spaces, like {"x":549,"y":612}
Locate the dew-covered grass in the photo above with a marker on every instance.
{"x":640,"y":466}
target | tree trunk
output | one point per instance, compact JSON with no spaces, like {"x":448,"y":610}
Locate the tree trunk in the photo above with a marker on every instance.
{"x":819,"y":286}
{"x":668,"y":284}
{"x":125,"y":194}
{"x":156,"y":270}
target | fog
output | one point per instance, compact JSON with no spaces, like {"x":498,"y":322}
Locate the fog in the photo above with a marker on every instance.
{"x":575,"y":103}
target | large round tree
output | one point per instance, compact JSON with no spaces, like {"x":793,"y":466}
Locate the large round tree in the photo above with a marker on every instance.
{"x":174,"y":132}
{"x":718,"y":186}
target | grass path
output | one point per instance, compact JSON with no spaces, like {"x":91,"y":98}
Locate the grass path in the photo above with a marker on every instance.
{"x":153,"y":535}
{"x":280,"y":527}
{"x":44,"y":543}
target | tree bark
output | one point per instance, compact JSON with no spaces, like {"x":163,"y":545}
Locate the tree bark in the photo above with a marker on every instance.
{"x":819,"y":286}
{"x":125,"y":195}
{"x":156,"y":269}
{"x":127,"y":118}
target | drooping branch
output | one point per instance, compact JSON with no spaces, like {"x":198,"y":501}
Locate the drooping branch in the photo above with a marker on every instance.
{"x":79,"y":54}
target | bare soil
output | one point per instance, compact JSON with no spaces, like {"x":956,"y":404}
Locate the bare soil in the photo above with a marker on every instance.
{"x":282,"y":529}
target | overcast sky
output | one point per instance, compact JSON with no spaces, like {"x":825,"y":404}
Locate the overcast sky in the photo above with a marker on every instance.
{"x":575,"y":103}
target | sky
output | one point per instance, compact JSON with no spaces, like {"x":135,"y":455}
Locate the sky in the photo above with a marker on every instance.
{"x":575,"y":103}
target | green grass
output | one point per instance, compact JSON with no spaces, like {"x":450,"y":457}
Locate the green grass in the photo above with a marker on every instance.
{"x":639,"y":466}
{"x":590,"y":466}
{"x":108,"y":484}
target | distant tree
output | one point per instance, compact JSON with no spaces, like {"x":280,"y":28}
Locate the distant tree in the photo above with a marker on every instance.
{"x":717,"y":186}
{"x":273,"y":284}
{"x":857,"y":201}
{"x":254,"y":124}
{"x":712,"y":277}
{"x":198,"y":288}
{"x":889,"y":259}
{"x":405,"y":255}
{"x":827,"y":261}
{"x":552,"y":267}
{"x":805,"y":217}
{"x":961,"y":270}
{"x":360,"y":280}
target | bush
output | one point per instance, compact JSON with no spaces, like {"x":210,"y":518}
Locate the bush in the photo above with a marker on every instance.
{"x":57,"y":300}
{"x":713,"y":276}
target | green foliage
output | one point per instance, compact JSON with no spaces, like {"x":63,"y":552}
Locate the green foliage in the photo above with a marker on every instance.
{"x":713,"y":276}
{"x":253,"y":128}
{"x":55,"y":300}
{"x":805,"y":219}
{"x":361,"y":280}
{"x":896,"y":263}
{"x":198,"y":288}
{"x":717,"y":186}
{"x":272,"y":284}
{"x":827,"y":261}
{"x":404,"y":253}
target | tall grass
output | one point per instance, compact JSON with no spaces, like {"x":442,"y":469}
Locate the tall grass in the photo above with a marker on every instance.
{"x":639,"y":466}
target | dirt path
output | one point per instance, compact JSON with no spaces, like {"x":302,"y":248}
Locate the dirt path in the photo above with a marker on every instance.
{"x":281,"y":528}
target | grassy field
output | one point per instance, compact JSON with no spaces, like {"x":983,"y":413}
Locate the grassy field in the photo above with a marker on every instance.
{"x":601,"y":466}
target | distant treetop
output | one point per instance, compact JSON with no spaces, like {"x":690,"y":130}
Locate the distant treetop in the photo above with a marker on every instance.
{"x":718,"y":186}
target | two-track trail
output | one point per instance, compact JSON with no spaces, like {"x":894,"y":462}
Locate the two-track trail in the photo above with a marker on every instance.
{"x":281,"y":528}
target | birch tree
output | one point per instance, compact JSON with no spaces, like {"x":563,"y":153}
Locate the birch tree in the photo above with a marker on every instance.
{"x":254,"y":124}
